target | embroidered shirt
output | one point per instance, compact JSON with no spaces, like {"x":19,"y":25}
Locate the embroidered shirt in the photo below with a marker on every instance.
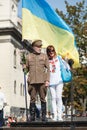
{"x":55,"y":73}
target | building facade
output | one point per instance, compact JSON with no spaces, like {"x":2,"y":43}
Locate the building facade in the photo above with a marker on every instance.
{"x":11,"y":74}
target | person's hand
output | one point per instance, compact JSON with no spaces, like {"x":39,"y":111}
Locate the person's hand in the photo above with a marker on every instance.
{"x":24,"y":66}
{"x":71,"y":62}
{"x":47,"y":83}
{"x":25,"y":69}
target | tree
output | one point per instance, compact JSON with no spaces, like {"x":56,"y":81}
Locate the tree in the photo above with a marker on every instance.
{"x":80,"y":90}
{"x":76,"y":18}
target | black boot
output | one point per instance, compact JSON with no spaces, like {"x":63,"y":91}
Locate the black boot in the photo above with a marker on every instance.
{"x":32,"y":111}
{"x":43,"y":108}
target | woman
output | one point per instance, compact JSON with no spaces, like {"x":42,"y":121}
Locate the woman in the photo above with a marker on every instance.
{"x":56,"y":83}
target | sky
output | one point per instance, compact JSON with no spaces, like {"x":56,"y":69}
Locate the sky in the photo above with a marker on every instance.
{"x":60,"y":4}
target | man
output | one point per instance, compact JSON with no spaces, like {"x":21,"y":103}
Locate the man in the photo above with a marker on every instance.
{"x":37,"y":65}
{"x":2,"y":105}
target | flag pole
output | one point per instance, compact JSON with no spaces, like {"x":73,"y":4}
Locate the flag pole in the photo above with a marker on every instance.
{"x":71,"y":62}
{"x":25,"y":90}
{"x":23,"y":62}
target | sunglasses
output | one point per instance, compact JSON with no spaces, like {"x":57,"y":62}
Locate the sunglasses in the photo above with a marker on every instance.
{"x":51,"y":50}
{"x":38,"y":46}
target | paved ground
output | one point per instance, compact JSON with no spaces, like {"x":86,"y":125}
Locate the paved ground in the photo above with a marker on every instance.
{"x":69,"y":118}
{"x":76,"y":118}
{"x":64,"y":119}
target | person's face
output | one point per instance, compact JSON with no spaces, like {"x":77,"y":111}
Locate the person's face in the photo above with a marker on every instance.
{"x":51,"y":52}
{"x":37,"y":49}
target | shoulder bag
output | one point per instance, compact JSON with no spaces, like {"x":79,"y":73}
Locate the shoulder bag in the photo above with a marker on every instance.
{"x":65,"y":71}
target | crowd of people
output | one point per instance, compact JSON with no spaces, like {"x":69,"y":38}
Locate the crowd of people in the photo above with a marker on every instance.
{"x":43,"y":72}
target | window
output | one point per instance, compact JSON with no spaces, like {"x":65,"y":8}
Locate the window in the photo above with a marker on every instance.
{"x":21,"y":89}
{"x":15,"y":87}
{"x":15,"y":59}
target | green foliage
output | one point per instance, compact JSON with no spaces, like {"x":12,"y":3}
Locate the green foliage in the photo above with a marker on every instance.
{"x":76,"y":18}
{"x":23,"y":60}
{"x":79,"y":85}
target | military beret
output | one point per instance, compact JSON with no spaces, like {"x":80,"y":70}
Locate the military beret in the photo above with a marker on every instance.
{"x":37,"y":43}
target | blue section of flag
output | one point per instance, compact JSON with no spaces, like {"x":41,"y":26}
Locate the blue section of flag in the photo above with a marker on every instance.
{"x":20,"y":9}
{"x":40,"y":21}
{"x":41,"y":9}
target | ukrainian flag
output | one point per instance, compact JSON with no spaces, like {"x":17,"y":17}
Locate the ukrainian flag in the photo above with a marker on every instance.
{"x":40,"y":21}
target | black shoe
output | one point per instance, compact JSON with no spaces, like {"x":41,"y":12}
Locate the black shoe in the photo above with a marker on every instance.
{"x":43,"y":108}
{"x":32,"y":120}
{"x":44,"y":119}
{"x":32,"y":111}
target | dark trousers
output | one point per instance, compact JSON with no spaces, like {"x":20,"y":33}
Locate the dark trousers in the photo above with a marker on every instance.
{"x":1,"y":118}
{"x":33,"y":89}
